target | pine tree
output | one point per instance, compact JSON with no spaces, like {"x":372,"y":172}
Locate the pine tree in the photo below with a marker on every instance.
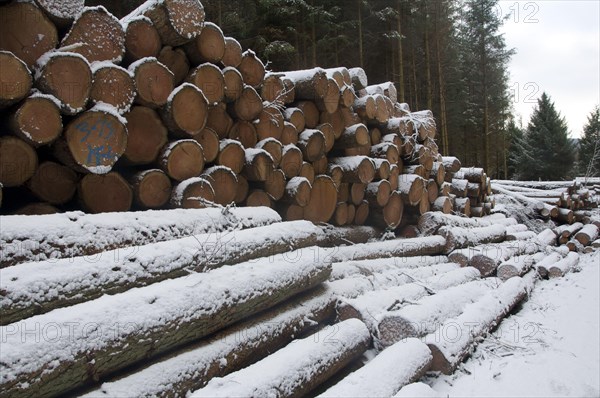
{"x":546,"y":151}
{"x":514,"y":135}
{"x":589,"y":146}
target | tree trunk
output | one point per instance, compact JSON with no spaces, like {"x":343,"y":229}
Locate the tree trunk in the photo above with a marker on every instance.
{"x":258,"y":165}
{"x":151,"y":189}
{"x":193,"y":193}
{"x":312,"y":144}
{"x":15,"y":79}
{"x":105,"y":193}
{"x":141,"y":40}
{"x":233,"y":53}
{"x":248,"y":106}
{"x":390,"y":215}
{"x":97,"y":35}
{"x":37,"y":120}
{"x":323,"y":200}
{"x":291,"y":161}
{"x":252,"y":69}
{"x":297,"y":192}
{"x":310,"y":84}
{"x":53,"y":183}
{"x":224,"y":183}
{"x":460,"y":238}
{"x":378,"y":193}
{"x":67,"y":77}
{"x":26,"y":32}
{"x":208,"y":46}
{"x":112,"y":85}
{"x":154,"y":82}
{"x":209,"y":78}
{"x":60,"y":13}
{"x":146,"y":136}
{"x":412,"y":188}
{"x":182,"y":159}
{"x":270,"y":123}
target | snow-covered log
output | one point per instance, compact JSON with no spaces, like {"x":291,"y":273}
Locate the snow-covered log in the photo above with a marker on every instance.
{"x":384,"y":375}
{"x":297,"y":369}
{"x":544,"y":265}
{"x":120,"y":330}
{"x":430,"y":245}
{"x":566,"y":232}
{"x":426,"y":314}
{"x":431,"y":222}
{"x":346,"y":269}
{"x":226,"y":352}
{"x":518,"y":265}
{"x":26,"y":239}
{"x":564,"y":266}
{"x":418,"y":389}
{"x":459,"y":238}
{"x":525,"y":235}
{"x":543,"y":209}
{"x":587,"y":234}
{"x":452,"y":341}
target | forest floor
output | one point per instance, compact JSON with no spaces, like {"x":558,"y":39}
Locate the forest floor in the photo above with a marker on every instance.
{"x":550,"y":348}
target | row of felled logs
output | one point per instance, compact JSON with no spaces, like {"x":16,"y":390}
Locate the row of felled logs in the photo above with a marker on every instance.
{"x":564,"y":201}
{"x":163,"y":110}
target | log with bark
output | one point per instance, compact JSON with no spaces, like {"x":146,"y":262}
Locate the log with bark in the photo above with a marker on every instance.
{"x":587,"y":234}
{"x":390,"y":215}
{"x":209,"y":78}
{"x":460,"y":238}
{"x":412,"y":188}
{"x":18,"y":162}
{"x":252,"y":69}
{"x":97,"y":35}
{"x":37,"y":119}
{"x":153,"y":80}
{"x":105,"y":193}
{"x":208,"y":46}
{"x":141,"y":39}
{"x":232,"y":57}
{"x":186,"y":111}
{"x":151,"y":189}
{"x":112,"y":85}
{"x":356,"y":169}
{"x":26,"y":32}
{"x":234,"y":83}
{"x":15,"y":79}
{"x":311,"y":84}
{"x":193,"y":193}
{"x":182,"y":159}
{"x":53,"y":183}
{"x":248,"y":106}
{"x":177,"y":62}
{"x":251,"y":288}
{"x":323,"y":200}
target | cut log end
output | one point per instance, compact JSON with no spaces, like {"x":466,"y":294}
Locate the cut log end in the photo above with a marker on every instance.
{"x":18,"y":161}
{"x":15,"y":79}
{"x":105,"y":193}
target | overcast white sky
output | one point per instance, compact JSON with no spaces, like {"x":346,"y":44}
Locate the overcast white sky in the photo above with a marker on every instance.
{"x":558,"y":51}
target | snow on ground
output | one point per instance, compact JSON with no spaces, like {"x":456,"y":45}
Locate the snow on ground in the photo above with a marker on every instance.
{"x":550,"y":348}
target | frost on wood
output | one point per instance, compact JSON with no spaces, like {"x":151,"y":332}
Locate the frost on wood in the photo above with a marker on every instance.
{"x":297,"y":368}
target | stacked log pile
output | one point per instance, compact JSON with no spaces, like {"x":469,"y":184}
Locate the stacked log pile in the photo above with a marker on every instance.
{"x":565,"y":202}
{"x":161,"y":109}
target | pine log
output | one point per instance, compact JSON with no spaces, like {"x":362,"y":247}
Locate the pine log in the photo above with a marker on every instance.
{"x":66,"y":76}
{"x":177,"y":21}
{"x":186,"y":111}
{"x":473,"y":190}
{"x":26,"y":32}
{"x":312,"y":144}
{"x":258,"y":164}
{"x":270,"y":123}
{"x":104,"y":193}
{"x":359,"y":78}
{"x":336,"y":121}
{"x":310,"y":362}
{"x":412,"y":187}
{"x":259,"y":198}
{"x":356,"y":169}
{"x":231,"y":154}
{"x":459,"y":188}
{"x":61,"y":13}
{"x":460,"y":238}
{"x":311,"y":114}
{"x":291,"y":160}
{"x":170,"y":329}
{"x":209,"y":140}
{"x":272,"y":89}
{"x":329,"y":134}
{"x":252,"y":69}
{"x":240,"y":345}
{"x":365,"y":107}
{"x":146,"y":135}
{"x":274,"y":185}
{"x":442,"y":204}
{"x":525,"y":235}
{"x":154,"y":82}
{"x":446,"y":189}
{"x":224,"y":183}
{"x":290,"y":212}
{"x":382,"y":169}
{"x":244,"y":132}
{"x":95,"y":140}
{"x":587,"y":234}
{"x":18,"y":161}
{"x":97,"y":35}
{"x":481,"y":317}
{"x":219,"y":121}
{"x":378,"y":193}
{"x":233,"y":53}
{"x":362,"y":213}
{"x":36,"y":209}
{"x":335,"y":172}
{"x":472,"y":174}
{"x":565,"y":215}
{"x":432,"y":191}
{"x":151,"y":189}
{"x":462,"y":206}
{"x":141,"y":39}
{"x":386,"y":150}
{"x":430,"y":245}
{"x":248,"y":106}
{"x":182,"y":159}
{"x":541,"y":208}
{"x":416,"y":169}
{"x":519,"y":265}
{"x":340,"y":216}
{"x":234,"y":84}
{"x":451,"y":164}
{"x":311,"y":84}
{"x":37,"y":120}
{"x":15,"y":79}
{"x":354,"y":136}
{"x":307,"y":171}
{"x":564,"y":266}
{"x":297,"y":191}
{"x":208,"y":46}
{"x":209,"y":78}
{"x":330,"y":100}
{"x":347,"y":96}
{"x":53,"y":183}
{"x":112,"y":85}
{"x":357,"y":193}
{"x":382,"y":114}
{"x":394,"y":176}
{"x":193,"y":193}
{"x":438,"y":173}
{"x":177,"y":62}
{"x":296,"y":117}
{"x":323,"y":200}
{"x":243,"y":187}
{"x":430,"y":223}
{"x":390,"y":215}
{"x":290,"y":91}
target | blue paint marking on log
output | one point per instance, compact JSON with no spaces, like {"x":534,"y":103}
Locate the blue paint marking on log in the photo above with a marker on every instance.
{"x":102,"y":130}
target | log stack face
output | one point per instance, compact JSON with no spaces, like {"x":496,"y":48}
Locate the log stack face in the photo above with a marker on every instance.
{"x":163,"y":89}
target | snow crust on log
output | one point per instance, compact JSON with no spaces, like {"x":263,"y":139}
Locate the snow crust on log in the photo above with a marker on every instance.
{"x":518,"y":265}
{"x":476,"y":320}
{"x":564,"y":266}
{"x":525,"y":235}
{"x":285,"y":371}
{"x":25,"y":238}
{"x":496,"y":252}
{"x":458,"y":238}
{"x":384,"y":375}
{"x":83,"y":278}
{"x":170,"y":305}
{"x":369,"y":267}
{"x":430,"y":222}
{"x":418,"y":389}
{"x":220,"y":351}
{"x":429,"y":245}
